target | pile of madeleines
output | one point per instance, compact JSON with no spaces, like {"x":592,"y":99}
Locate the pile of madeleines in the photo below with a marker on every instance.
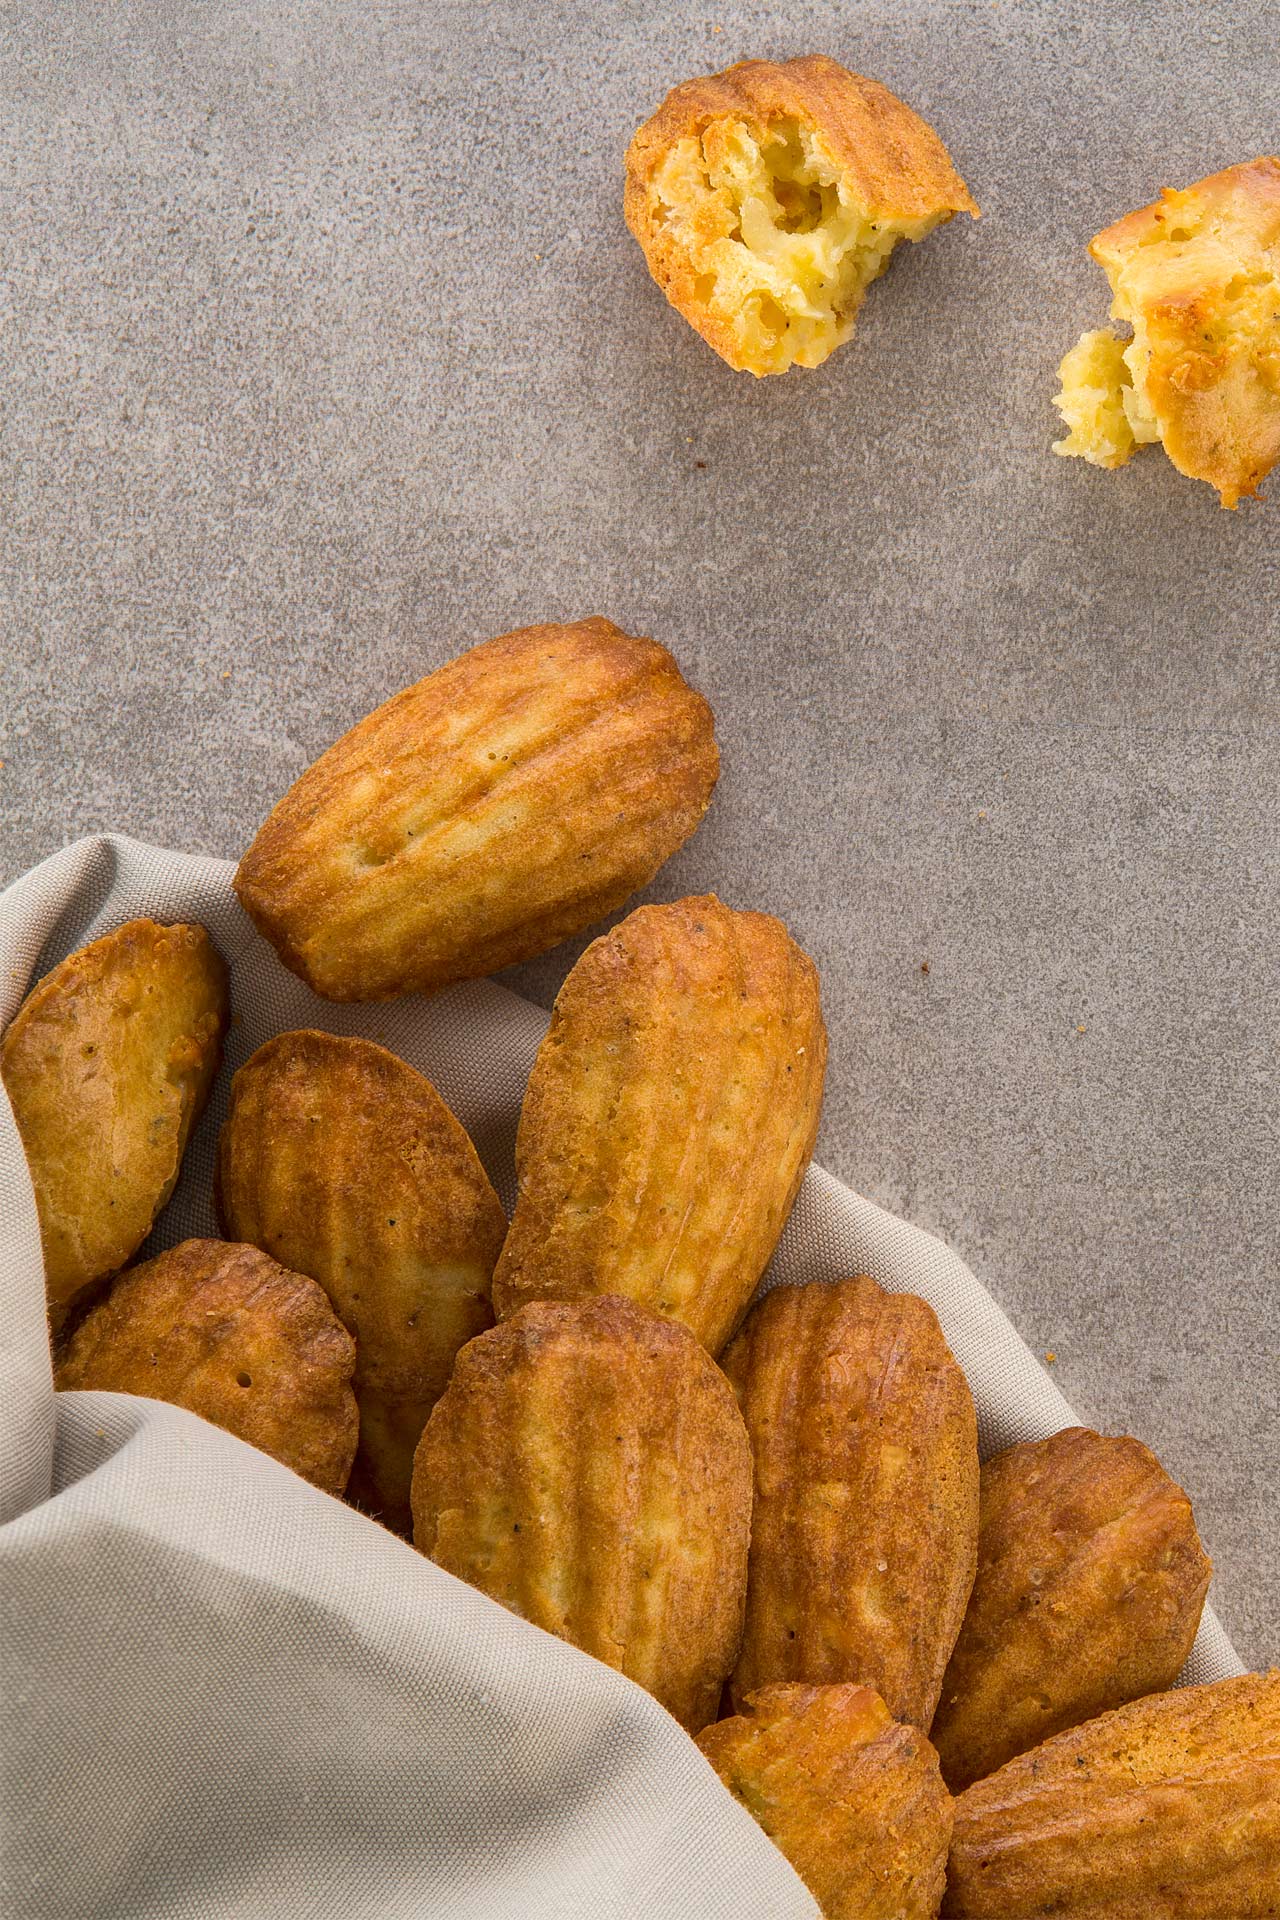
{"x":772,"y":1513}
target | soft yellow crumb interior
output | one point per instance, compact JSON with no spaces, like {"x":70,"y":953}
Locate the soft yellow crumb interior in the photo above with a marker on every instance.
{"x":780,"y":251}
{"x":1103,"y":400}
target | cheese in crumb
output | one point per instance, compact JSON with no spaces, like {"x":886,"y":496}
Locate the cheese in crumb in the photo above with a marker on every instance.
{"x":783,"y":254}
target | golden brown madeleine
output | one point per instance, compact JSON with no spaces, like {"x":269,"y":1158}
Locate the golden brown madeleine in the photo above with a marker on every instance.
{"x":1196,"y":278}
{"x":225,"y":1332}
{"x":342,"y":1162}
{"x":1091,"y":1581}
{"x":865,"y":1529}
{"x":501,"y":804}
{"x":107,"y":1063}
{"x":767,"y":198}
{"x":586,"y":1466}
{"x":854,"y":1801}
{"x":669,"y":1117}
{"x":1166,"y":1809}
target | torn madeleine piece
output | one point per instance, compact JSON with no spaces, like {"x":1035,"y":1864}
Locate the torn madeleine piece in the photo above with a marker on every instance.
{"x":865,"y":1530}
{"x":342,"y":1162}
{"x":225,"y":1332}
{"x":767,"y":198}
{"x":505,"y":802}
{"x":669,"y":1117}
{"x":587,"y":1467}
{"x":1196,"y":280}
{"x":1091,"y":1582}
{"x":1166,"y":1809}
{"x":854,"y":1801}
{"x":107,"y":1064}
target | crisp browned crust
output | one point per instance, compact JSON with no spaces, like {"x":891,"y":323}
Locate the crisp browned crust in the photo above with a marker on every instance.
{"x":1091,"y":1580}
{"x":893,"y":160}
{"x":1199,"y":273}
{"x":854,"y":1801}
{"x":587,"y":1467}
{"x":1167,"y":1809}
{"x":865,"y":1529}
{"x":342,"y":1162}
{"x":890,"y":166}
{"x":505,"y":802}
{"x":107,"y":1063}
{"x":669,"y":1117}
{"x":225,"y":1332}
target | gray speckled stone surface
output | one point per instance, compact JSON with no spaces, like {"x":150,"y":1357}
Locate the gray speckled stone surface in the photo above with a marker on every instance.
{"x":325,"y":352}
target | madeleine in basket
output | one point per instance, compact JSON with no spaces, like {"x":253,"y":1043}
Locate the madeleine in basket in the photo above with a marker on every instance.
{"x":108,"y":1063}
{"x":340,"y":1161}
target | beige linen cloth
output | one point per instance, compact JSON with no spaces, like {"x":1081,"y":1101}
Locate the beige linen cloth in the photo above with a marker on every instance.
{"x":224,"y":1694}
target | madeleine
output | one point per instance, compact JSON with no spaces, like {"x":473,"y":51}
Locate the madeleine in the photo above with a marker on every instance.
{"x":342,"y":1162}
{"x":669,"y":1117}
{"x":108,"y":1063}
{"x":1166,"y":1809}
{"x":230,"y":1335}
{"x":1091,"y":1581}
{"x":587,"y":1467}
{"x":864,"y":1536}
{"x":505,"y":802}
{"x":767,"y":198}
{"x":1196,"y":280}
{"x":854,"y":1801}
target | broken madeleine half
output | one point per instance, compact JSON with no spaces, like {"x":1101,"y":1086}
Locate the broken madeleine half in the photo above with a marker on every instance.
{"x":1091,"y":1582}
{"x":230,"y":1335}
{"x":1196,"y":280}
{"x":108,"y":1064}
{"x":342,"y":1162}
{"x":767,"y":198}
{"x":854,"y":1801}
{"x":587,"y":1467}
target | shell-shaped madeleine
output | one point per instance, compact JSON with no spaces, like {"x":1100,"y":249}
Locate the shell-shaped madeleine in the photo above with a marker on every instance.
{"x":854,"y":1801}
{"x":1166,"y":1809}
{"x":669,"y":1117}
{"x":342,"y":1162}
{"x":587,"y":1467}
{"x":107,"y":1064}
{"x":865,"y":1527}
{"x":230,"y":1335}
{"x":1091,"y":1580}
{"x":766,"y":199}
{"x":505,"y":802}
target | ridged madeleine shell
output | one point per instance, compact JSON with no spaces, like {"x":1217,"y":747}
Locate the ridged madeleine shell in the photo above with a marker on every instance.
{"x":587,"y":1468}
{"x":888,"y":167}
{"x":1166,"y":1809}
{"x":342,"y":1162}
{"x":505,"y":802}
{"x":1091,"y":1580}
{"x":230,"y":1335}
{"x":669,"y":1117}
{"x":892,"y":161}
{"x":854,"y":1801}
{"x":865,"y":1526}
{"x":108,"y":1063}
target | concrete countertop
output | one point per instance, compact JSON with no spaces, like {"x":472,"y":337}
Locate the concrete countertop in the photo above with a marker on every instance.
{"x":327,"y":353}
